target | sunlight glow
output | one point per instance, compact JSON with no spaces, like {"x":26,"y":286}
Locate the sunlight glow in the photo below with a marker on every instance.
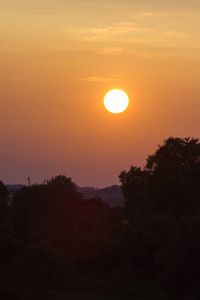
{"x":116,"y":101}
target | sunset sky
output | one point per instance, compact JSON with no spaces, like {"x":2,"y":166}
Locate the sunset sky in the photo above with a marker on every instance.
{"x":58,"y":60}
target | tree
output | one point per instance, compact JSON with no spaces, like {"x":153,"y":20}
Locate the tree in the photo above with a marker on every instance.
{"x":44,"y":210}
{"x":181,"y":257}
{"x":3,"y":203}
{"x":170,"y":181}
{"x":175,"y":176}
{"x":156,"y":198}
{"x":9,"y":246}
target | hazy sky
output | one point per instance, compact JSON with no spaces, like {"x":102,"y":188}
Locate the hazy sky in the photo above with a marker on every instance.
{"x":58,"y":60}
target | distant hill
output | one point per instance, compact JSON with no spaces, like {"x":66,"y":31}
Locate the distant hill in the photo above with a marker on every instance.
{"x":14,"y":187}
{"x":111,"y":195}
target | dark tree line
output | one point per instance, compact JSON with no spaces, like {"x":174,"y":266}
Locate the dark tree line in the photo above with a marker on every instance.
{"x":51,"y":237}
{"x":162,"y":209}
{"x":50,"y":234}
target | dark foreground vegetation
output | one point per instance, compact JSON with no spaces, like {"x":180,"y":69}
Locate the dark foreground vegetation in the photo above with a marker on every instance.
{"x":54,"y":244}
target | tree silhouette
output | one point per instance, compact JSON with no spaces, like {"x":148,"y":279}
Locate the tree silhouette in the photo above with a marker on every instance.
{"x":170,"y":181}
{"x":3,"y":203}
{"x":158,"y":198}
{"x":45,"y":209}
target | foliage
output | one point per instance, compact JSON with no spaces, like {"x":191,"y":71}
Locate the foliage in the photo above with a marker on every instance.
{"x":52,"y":237}
{"x":3,"y":203}
{"x":169,"y":181}
{"x":41,"y":265}
{"x":162,"y":207}
{"x":43,"y":210}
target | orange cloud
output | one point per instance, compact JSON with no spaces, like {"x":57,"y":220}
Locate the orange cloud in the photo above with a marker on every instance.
{"x":99,"y":79}
{"x":111,"y":51}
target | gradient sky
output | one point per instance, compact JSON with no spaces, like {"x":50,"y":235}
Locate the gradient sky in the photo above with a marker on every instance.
{"x":58,"y":60}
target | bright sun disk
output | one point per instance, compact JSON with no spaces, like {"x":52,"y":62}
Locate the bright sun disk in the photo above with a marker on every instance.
{"x":116,"y":101}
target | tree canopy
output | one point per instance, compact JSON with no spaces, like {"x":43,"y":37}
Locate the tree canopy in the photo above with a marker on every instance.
{"x":51,"y":236}
{"x":170,"y":180}
{"x":162,"y":211}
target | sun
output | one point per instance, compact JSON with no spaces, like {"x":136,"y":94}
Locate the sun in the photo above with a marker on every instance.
{"x":116,"y":101}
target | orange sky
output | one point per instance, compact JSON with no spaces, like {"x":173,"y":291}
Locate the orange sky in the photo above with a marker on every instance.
{"x":58,"y":60}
